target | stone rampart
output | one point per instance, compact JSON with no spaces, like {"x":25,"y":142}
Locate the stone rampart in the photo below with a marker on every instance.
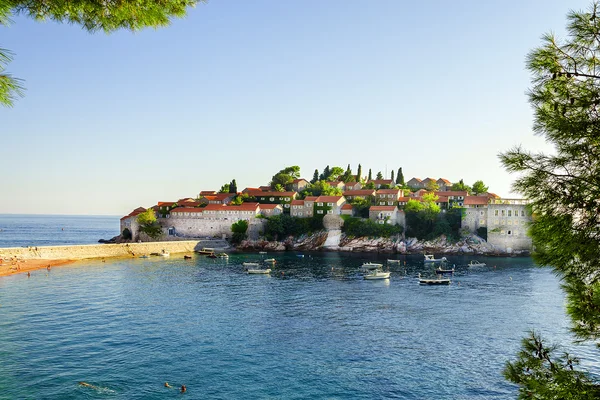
{"x":80,"y":252}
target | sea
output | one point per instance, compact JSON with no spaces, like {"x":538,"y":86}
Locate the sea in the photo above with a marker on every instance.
{"x":311,"y":329}
{"x":21,"y":230}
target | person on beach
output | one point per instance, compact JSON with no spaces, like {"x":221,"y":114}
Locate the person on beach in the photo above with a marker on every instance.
{"x":28,"y":274}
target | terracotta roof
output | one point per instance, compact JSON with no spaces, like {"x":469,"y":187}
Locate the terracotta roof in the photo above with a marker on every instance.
{"x":405,"y":198}
{"x":189,"y":203}
{"x":445,"y":180}
{"x":382,"y":208}
{"x":310,"y":198}
{"x":476,"y":200}
{"x":492,"y":195}
{"x":335,"y":183}
{"x":381,"y":181}
{"x":442,"y":199}
{"x":207,"y":192}
{"x":166,"y":203}
{"x":388,"y":191}
{"x":135,"y":212}
{"x":347,"y":206}
{"x":297,"y":202}
{"x":299,"y":180}
{"x":452,"y":193}
{"x":329,"y":199}
{"x":416,"y":179}
{"x":265,"y":188}
{"x":269,"y":206}
{"x":361,"y":192}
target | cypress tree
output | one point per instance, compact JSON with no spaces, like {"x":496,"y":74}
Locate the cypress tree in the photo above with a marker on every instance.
{"x":370,"y":175}
{"x":233,"y":187}
{"x":392,"y":177}
{"x":379,"y":175}
{"x":359,"y":173}
{"x":400,"y":177}
{"x":315,"y":176}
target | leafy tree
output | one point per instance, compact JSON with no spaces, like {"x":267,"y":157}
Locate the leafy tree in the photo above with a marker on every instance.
{"x":348,"y":177}
{"x":379,"y":176}
{"x":370,"y":185}
{"x":432,"y":186}
{"x":400,"y":178}
{"x":279,"y":188}
{"x":392,"y":177}
{"x":315,"y":176}
{"x":359,"y":173}
{"x":148,"y":224}
{"x":413,"y":205}
{"x":325,"y":175}
{"x":563,"y":188}
{"x":92,"y":15}
{"x":224,"y":188}
{"x":358,"y":227}
{"x":285,"y":177}
{"x":460,"y":187}
{"x":335,"y":173}
{"x":239,"y":230}
{"x":482,"y":232}
{"x":479,"y":187}
{"x":233,"y":186}
{"x":370,"y":178}
{"x":361,"y":206}
{"x":278,"y":227}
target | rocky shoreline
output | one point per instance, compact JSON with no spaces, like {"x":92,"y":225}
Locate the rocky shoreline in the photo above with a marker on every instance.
{"x":468,"y":245}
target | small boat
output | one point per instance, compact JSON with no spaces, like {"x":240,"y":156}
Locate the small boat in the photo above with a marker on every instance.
{"x":165,"y":253}
{"x":475,"y":263}
{"x":430,"y":259}
{"x":377,"y":274}
{"x":250,"y":264}
{"x":212,"y":255}
{"x":270,"y":260}
{"x":206,"y":250}
{"x":186,"y":257}
{"x":394,"y":261}
{"x":223,"y":255}
{"x":441,"y":271}
{"x":300,"y":255}
{"x":259,"y":271}
{"x":262,"y":252}
{"x":366,"y":267}
{"x":438,"y":281}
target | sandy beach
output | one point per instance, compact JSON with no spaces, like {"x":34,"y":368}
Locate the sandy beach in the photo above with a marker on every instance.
{"x":17,"y":266}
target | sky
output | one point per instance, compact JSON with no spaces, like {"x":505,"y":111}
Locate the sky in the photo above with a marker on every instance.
{"x":240,"y":90}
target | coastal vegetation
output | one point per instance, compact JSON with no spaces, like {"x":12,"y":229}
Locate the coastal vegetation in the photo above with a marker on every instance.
{"x":359,"y":227}
{"x":564,"y":190}
{"x":148,"y":224}
{"x":239,"y":229}
{"x":92,"y":15}
{"x":279,"y":227}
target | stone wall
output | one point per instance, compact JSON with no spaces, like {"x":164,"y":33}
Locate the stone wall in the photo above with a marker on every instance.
{"x":208,"y":228}
{"x":80,"y":252}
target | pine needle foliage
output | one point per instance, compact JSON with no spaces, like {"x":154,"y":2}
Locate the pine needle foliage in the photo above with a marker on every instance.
{"x":564,"y":190}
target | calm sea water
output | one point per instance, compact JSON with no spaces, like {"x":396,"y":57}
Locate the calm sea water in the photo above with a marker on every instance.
{"x":313,"y":329}
{"x":55,"y":230}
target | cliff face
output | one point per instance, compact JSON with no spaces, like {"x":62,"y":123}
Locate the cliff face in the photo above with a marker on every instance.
{"x":471,"y":244}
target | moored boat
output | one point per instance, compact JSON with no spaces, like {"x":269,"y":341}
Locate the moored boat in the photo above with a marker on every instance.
{"x":259,"y":271}
{"x":394,"y":261}
{"x":250,"y":264}
{"x":441,"y":271}
{"x":429,"y":258}
{"x":223,"y":255}
{"x":475,"y":263}
{"x":369,"y":266}
{"x":377,"y":274}
{"x":270,"y":260}
{"x":437,"y":281}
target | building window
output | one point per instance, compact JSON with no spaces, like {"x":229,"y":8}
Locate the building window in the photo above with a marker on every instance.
{"x":495,"y":213}
{"x":319,"y":204}
{"x":509,"y":222}
{"x":319,"y":211}
{"x":509,"y":232}
{"x":522,"y":213}
{"x":300,"y":214}
{"x":330,"y":204}
{"x":510,"y":213}
{"x":503,"y":213}
{"x":390,"y":203}
{"x":329,"y":211}
{"x":286,"y":205}
{"x":502,"y":232}
{"x":496,"y":222}
{"x":482,"y":222}
{"x":287,"y":199}
{"x":481,"y":213}
{"x":272,"y":199}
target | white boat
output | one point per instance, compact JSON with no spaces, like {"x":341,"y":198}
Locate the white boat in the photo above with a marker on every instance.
{"x":430,"y":259}
{"x":262,"y":252}
{"x":270,"y":260}
{"x":438,"y":281}
{"x":251,"y":264}
{"x":259,"y":271}
{"x":165,"y":254}
{"x":394,"y":261}
{"x":366,"y":267}
{"x":223,"y":255}
{"x":377,"y":274}
{"x":475,"y":263}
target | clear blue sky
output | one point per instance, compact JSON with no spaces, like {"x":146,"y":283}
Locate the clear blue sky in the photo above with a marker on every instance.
{"x":241,"y":89}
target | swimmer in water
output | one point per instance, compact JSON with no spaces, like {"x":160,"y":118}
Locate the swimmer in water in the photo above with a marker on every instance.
{"x":88,"y":385}
{"x":167,"y":385}
{"x":183,"y":388}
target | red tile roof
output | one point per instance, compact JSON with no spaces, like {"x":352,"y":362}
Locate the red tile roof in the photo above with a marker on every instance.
{"x":189,"y":203}
{"x":299,"y":180}
{"x":347,"y":207}
{"x":223,"y":207}
{"x":310,"y":198}
{"x":277,"y":194}
{"x":388,"y":191}
{"x":297,"y":202}
{"x":446,"y":181}
{"x":187,"y":209}
{"x":135,"y":212}
{"x":452,"y":193}
{"x":476,"y":200}
{"x":207,"y":192}
{"x":381,"y":181}
{"x":328,"y":199}
{"x":269,"y":206}
{"x":382,"y":208}
{"x":166,"y":203}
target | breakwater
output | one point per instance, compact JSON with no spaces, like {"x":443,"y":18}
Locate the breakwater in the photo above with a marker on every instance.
{"x":81,"y":252}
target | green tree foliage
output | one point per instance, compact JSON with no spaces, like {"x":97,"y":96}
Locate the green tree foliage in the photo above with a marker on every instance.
{"x":285,"y":177}
{"x":148,"y":224}
{"x":322,"y":188}
{"x":279,"y":188}
{"x":432,"y":186}
{"x":370,"y":177}
{"x":563,"y":188}
{"x":315,"y":176}
{"x":479,"y":187}
{"x":425,"y":221}
{"x":400,"y":178}
{"x":361,"y":206}
{"x":224,"y":188}
{"x":413,"y":205}
{"x":278,"y":227}
{"x":379,"y":176}
{"x":460,"y":187}
{"x":482,"y":232}
{"x":392,"y":177}
{"x":369,"y":185}
{"x":359,"y":173}
{"x":233,"y":186}
{"x":348,"y":177}
{"x":92,"y":15}
{"x":325,"y":175}
{"x":335,"y":174}
{"x":359,"y":227}
{"x":239,"y":230}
